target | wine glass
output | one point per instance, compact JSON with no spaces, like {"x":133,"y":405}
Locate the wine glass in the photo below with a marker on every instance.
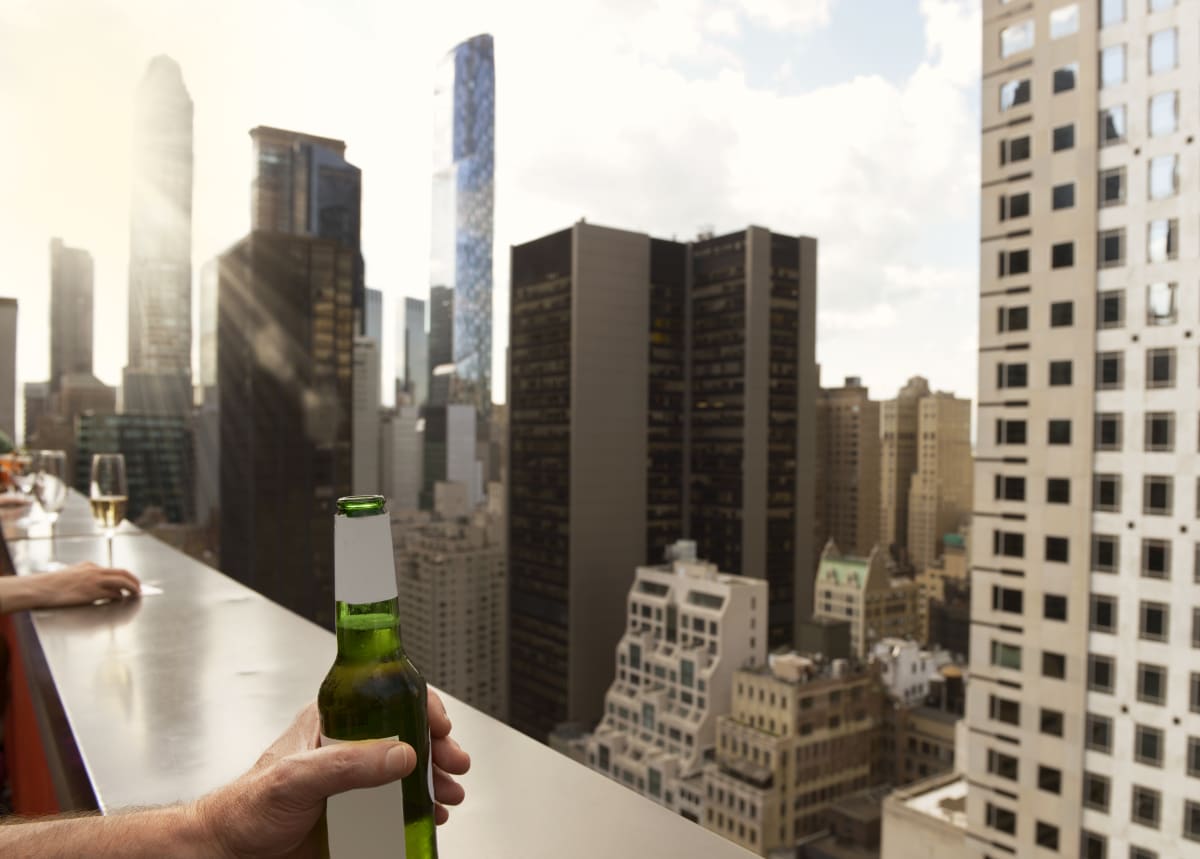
{"x":109,"y":494}
{"x":24,"y":473}
{"x":50,"y":485}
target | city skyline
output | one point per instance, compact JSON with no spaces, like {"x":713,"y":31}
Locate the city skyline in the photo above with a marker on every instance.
{"x":703,"y":71}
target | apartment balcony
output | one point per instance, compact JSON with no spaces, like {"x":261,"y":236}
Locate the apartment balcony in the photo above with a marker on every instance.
{"x":164,"y":698}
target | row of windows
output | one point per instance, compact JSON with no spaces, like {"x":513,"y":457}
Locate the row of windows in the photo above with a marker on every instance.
{"x":1155,"y":554}
{"x":1162,"y":53}
{"x":1153,"y":619}
{"x":1160,"y":371}
{"x":1162,"y":308}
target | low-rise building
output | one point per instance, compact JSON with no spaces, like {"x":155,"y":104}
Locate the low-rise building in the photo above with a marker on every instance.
{"x":853,"y":828}
{"x":689,"y":628}
{"x":863,"y":591}
{"x":908,"y":670}
{"x":926,"y":820}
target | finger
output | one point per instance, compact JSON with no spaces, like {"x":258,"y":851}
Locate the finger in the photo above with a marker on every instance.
{"x":439,"y":722}
{"x":449,"y":755}
{"x":302,"y":734}
{"x":306,"y":779}
{"x":441,"y":814}
{"x":445,"y":789}
{"x":129,"y":581}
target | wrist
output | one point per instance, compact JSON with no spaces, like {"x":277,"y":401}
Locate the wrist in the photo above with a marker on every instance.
{"x":187,"y":833}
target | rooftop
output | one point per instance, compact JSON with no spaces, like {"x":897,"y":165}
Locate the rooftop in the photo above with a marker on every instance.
{"x":942,"y":798}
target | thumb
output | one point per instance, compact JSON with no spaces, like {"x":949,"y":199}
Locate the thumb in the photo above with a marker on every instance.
{"x":308,"y":778}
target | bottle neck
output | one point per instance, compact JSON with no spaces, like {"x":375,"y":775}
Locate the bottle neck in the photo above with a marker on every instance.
{"x":364,"y":588}
{"x":369,"y":632}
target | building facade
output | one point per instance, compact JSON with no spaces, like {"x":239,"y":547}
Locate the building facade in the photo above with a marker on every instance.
{"x":8,"y":368}
{"x":1085,"y":678}
{"x":898,"y":450}
{"x":864,"y":592}
{"x":367,"y":476}
{"x":848,"y":491}
{"x":658,"y":388}
{"x":939,"y":495}
{"x":689,"y":629}
{"x":441,"y":344}
{"x":402,"y":456}
{"x":464,"y":96}
{"x":71,"y":273}
{"x":412,"y":353}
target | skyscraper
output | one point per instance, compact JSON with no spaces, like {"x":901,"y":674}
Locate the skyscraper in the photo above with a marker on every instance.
{"x":848,"y":460}
{"x":464,"y":96}
{"x":285,"y":384}
{"x":365,"y":447}
{"x":1085,"y":677}
{"x":939,"y":495}
{"x":70,"y":312}
{"x":412,"y":351}
{"x":441,"y":344}
{"x":627,"y":425}
{"x":898,"y":420}
{"x":373,"y":316}
{"x":8,"y":368}
{"x":158,"y":376}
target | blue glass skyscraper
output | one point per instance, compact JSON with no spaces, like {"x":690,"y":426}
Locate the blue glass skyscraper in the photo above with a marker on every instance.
{"x":463,"y":171}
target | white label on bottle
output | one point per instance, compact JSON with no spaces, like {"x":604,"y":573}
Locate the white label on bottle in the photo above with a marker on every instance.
{"x":364,"y":566}
{"x":367,"y":823}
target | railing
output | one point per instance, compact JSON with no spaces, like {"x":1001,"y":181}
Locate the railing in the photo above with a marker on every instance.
{"x":164,"y":698}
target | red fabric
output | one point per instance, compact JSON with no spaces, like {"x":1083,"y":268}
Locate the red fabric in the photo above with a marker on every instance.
{"x":28,"y":772}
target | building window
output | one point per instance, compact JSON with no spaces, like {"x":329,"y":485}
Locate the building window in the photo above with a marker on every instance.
{"x":1010,"y":488}
{"x":1098,"y":733}
{"x":1110,"y":370}
{"x":1153,"y":621}
{"x":1194,"y":699}
{"x":1012,"y":375}
{"x":1164,"y":50}
{"x":1010,"y":432}
{"x":1006,"y":655}
{"x":1112,"y":66}
{"x":1046,"y":835}
{"x":1157,"y":494}
{"x":1058,"y":490}
{"x":1065,"y":77}
{"x":1160,"y":368}
{"x":1156,"y":558}
{"x":1008,"y":600}
{"x":1164,"y":176}
{"x":1103,"y":614}
{"x":1001,"y":819}
{"x":1014,"y":93}
{"x":1148,"y":745}
{"x":1110,"y":248}
{"x":1110,"y":309}
{"x":1062,"y":255}
{"x":1062,"y":138}
{"x":1060,"y":373}
{"x":1016,"y":149}
{"x":1112,"y":125}
{"x":1191,"y":820}
{"x":1064,"y":21}
{"x":1054,"y":665}
{"x":1015,"y":206}
{"x":1164,"y":113}
{"x":1059,"y":431}
{"x":1016,"y":38}
{"x":1152,"y":683}
{"x":1056,"y":549}
{"x":1160,"y":432}
{"x":1014,"y":262}
{"x":1054,"y":607}
{"x":1062,"y":314}
{"x":1093,"y":846}
{"x":1111,"y":12}
{"x":1004,"y":710}
{"x":1105,"y":553}
{"x":1100,"y":673}
{"x":1002,"y":765}
{"x":1162,"y":240}
{"x":1106,"y":493}
{"x":1095,"y":791}
{"x":1112,"y":187}
{"x":1160,"y":304}
{"x":1146,"y":806}
{"x":1193,"y":757}
{"x":1050,"y":722}
{"x":1013,"y":319}
{"x":1063,"y":197}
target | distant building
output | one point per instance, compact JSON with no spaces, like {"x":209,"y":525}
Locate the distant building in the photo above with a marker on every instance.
{"x":367,"y":478}
{"x":907,"y":670}
{"x":71,"y":274}
{"x":412,"y":353}
{"x":800,"y":737}
{"x":898,"y":450}
{"x":854,"y":826}
{"x":848,"y":493}
{"x":158,"y":460}
{"x":924,"y":742}
{"x":926,"y":820}
{"x":451,"y":452}
{"x":950,"y":620}
{"x":939,"y":496}
{"x":441,"y":344}
{"x":451,"y":571}
{"x":285,"y":383}
{"x":373,"y":316}
{"x":402,"y":456}
{"x":206,"y":439}
{"x":863,"y":591}
{"x":37,"y":403}
{"x":209,"y":278}
{"x":689,"y":629}
{"x":826,"y":637}
{"x":951,"y":569}
{"x":8,"y":368}
{"x":658,"y":388}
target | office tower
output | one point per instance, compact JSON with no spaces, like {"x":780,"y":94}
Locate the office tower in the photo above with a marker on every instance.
{"x":939,"y":495}
{"x":158,"y":377}
{"x":441,"y":344}
{"x":412,"y":352}
{"x":37,"y":403}
{"x":464,"y":95}
{"x":848,"y":497}
{"x":285,"y":384}
{"x":8,"y":368}
{"x":898,"y":461}
{"x":800,"y":735}
{"x":863,"y":591}
{"x":159,"y":465}
{"x":689,"y":628}
{"x":70,"y":312}
{"x":451,"y":452}
{"x":304,"y":186}
{"x":450,"y":569}
{"x":401,"y":456}
{"x":1083,"y":631}
{"x":618,"y":440}
{"x":208,"y":330}
{"x":943,"y":582}
{"x":365,"y":448}
{"x":373,"y":316}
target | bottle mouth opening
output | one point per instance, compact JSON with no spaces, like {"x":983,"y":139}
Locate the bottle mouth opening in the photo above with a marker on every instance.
{"x":361,"y":505}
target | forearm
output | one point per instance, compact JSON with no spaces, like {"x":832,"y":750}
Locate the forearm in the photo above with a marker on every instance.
{"x":18,"y":593}
{"x":175,"y":831}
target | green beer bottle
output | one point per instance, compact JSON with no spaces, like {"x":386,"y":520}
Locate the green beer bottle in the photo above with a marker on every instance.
{"x":373,"y":691}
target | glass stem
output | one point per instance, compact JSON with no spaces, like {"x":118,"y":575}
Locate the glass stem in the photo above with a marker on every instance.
{"x":108,"y":542}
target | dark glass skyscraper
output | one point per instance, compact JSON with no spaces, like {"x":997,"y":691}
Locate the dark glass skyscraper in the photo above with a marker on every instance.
{"x":463,"y":168}
{"x":71,"y":272}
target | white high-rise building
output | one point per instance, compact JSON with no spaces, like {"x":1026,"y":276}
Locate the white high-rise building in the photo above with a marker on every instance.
{"x":688,"y":628}
{"x":401,"y":456}
{"x":364,"y":450}
{"x":462,"y":458}
{"x":1084,"y":701}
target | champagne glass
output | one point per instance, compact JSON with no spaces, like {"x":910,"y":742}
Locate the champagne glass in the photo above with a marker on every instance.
{"x":24,"y":473}
{"x":50,"y":486}
{"x":109,"y":494}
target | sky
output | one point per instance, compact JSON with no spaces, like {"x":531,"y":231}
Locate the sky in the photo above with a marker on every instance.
{"x":854,"y":121}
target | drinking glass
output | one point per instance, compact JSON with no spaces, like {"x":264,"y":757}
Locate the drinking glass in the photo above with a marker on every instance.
{"x":109,"y":494}
{"x":24,"y":473}
{"x":50,"y":483}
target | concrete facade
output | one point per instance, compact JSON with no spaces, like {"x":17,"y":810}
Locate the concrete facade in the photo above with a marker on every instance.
{"x":862,"y":591}
{"x":848,"y":465}
{"x":939,"y":495}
